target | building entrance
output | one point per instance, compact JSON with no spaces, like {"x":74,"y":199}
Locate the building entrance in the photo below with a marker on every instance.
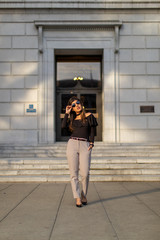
{"x":79,"y":76}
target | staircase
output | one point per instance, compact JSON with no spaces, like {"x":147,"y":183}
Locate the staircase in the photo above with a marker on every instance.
{"x":109,"y":163}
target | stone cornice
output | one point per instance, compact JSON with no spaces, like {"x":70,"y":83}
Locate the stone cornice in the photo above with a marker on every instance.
{"x":76,"y":25}
{"x":80,"y":4}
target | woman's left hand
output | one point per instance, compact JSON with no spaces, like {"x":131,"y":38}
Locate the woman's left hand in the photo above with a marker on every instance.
{"x":90,"y":147}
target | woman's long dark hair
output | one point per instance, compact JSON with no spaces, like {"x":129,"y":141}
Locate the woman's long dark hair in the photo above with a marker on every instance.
{"x":73,"y":114}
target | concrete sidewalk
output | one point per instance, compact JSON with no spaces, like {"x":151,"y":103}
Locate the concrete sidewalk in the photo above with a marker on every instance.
{"x":47,"y":211}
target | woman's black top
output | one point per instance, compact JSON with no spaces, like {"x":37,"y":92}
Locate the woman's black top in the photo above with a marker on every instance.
{"x":85,"y":130}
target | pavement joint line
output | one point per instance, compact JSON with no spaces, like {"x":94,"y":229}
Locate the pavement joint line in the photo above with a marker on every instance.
{"x":149,"y":183}
{"x":57,"y":212}
{"x":19,"y":203}
{"x":6,"y":187}
{"x":114,"y":230}
{"x":135,"y":195}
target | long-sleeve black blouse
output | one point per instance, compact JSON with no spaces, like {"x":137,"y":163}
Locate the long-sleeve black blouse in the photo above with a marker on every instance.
{"x":85,"y":130}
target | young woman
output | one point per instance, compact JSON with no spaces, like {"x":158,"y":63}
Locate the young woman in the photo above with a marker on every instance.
{"x":82,"y":127}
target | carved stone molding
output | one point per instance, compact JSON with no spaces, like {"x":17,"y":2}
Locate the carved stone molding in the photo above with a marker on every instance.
{"x":79,"y":25}
{"x":80,"y":4}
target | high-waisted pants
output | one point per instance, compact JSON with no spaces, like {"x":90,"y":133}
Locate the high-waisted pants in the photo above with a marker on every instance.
{"x":79,"y":158}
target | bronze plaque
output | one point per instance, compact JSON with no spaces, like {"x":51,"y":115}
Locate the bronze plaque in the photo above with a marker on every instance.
{"x":146,"y":109}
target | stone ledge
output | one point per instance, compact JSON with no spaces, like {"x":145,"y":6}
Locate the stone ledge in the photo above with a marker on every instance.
{"x":78,"y":24}
{"x":79,"y":4}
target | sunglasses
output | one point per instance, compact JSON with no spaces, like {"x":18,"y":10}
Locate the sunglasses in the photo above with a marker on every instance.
{"x":74,"y":104}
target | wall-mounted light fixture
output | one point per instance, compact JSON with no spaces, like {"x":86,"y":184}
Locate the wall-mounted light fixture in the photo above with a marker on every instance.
{"x":78,"y":78}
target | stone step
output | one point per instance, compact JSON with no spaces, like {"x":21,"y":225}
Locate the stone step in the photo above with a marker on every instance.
{"x":65,"y":168}
{"x":92,"y":172}
{"x":97,"y":147}
{"x":64,"y":178}
{"x":64,"y":146}
{"x":97,"y":144}
{"x":109,"y":163}
{"x":94,"y":154}
{"x":63,"y":165}
{"x":100,"y":150}
{"x":41,"y":161}
{"x":9,"y":150}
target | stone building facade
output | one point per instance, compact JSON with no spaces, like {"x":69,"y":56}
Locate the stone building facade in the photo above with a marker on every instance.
{"x":126,"y":37}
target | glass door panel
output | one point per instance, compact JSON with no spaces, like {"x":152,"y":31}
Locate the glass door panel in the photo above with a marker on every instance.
{"x":62,"y":100}
{"x":71,"y":67}
{"x":91,"y":103}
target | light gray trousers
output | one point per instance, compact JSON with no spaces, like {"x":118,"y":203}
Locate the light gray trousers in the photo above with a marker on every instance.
{"x":79,"y":158}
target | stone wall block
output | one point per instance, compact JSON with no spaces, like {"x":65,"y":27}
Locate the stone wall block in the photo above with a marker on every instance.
{"x":5,"y":96}
{"x":11,"y":109}
{"x":127,"y":136}
{"x":5,"y":69}
{"x":140,"y":136}
{"x":137,"y":122}
{"x":31,"y":55}
{"x":5,"y":42}
{"x":132,"y":95}
{"x":19,"y":137}
{"x":126,"y":109}
{"x":153,"y":94}
{"x":125,"y":81}
{"x":153,"y":68}
{"x":126,"y":29}
{"x":11,"y":82}
{"x":154,"y":122}
{"x":24,"y":123}
{"x":153,"y":42}
{"x":4,"y":123}
{"x":24,"y":95}
{"x":31,"y":82}
{"x":145,"y":55}
{"x":25,"y":42}
{"x":146,"y":81}
{"x":125,"y":55}
{"x":12,"y":29}
{"x":31,"y":29}
{"x":132,"y":68}
{"x":145,"y":28}
{"x":25,"y":68}
{"x":11,"y":55}
{"x":132,"y":42}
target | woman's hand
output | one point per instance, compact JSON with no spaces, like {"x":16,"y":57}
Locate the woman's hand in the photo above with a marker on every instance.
{"x":68,"y":109}
{"x":90,"y":146}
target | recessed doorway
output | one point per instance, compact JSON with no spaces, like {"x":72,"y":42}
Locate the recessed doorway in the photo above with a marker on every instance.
{"x":81,"y":76}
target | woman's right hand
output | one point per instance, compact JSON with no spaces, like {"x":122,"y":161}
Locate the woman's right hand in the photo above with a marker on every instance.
{"x":68,"y":109}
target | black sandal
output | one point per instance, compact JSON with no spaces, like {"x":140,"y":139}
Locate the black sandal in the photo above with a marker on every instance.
{"x":79,"y":205}
{"x":82,"y":196}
